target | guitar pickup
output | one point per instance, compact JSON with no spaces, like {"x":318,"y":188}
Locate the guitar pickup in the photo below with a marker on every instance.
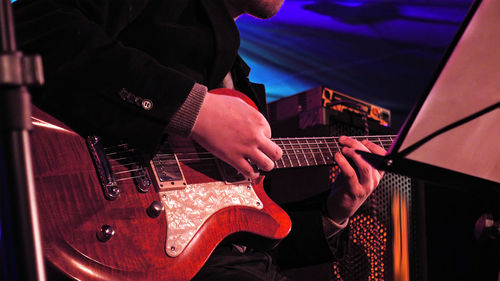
{"x":229,"y":174}
{"x":168,"y":173}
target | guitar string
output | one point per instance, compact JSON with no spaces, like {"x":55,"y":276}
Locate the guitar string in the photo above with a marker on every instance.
{"x":129,"y":178}
{"x":312,"y":155}
{"x":125,"y":164}
{"x":278,"y":165}
{"x":292,"y":150}
{"x":298,"y":158}
{"x":135,"y":177}
{"x":317,"y":152}
{"x":116,"y":146}
{"x":123,"y":151}
{"x":335,"y":139}
{"x":286,"y":147}
{"x":374,"y":137}
{"x":127,"y":171}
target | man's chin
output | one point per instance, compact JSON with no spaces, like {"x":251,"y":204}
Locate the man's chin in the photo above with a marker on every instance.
{"x":266,"y":11}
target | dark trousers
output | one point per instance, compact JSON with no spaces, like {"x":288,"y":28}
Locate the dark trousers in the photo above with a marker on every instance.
{"x":227,"y":263}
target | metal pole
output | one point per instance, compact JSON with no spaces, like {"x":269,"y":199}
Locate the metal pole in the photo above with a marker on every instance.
{"x":21,"y":246}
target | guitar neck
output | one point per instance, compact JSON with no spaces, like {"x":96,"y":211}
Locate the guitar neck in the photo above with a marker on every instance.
{"x":317,"y":151}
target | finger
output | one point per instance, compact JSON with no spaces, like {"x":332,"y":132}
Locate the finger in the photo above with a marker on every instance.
{"x":350,"y":146}
{"x":347,"y":169}
{"x":373,"y":147}
{"x":363,"y":166}
{"x":367,"y":173}
{"x":350,"y":142}
{"x":246,"y":169}
{"x":364,"y":169}
{"x":271,"y":149}
{"x":261,"y":160}
{"x":376,"y":149}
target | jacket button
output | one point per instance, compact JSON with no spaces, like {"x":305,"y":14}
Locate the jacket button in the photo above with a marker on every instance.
{"x":123,"y":94}
{"x":147,"y":104}
{"x":130,"y":98}
{"x":138,"y":101}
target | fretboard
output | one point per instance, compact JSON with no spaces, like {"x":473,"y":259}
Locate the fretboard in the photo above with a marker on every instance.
{"x":317,"y":151}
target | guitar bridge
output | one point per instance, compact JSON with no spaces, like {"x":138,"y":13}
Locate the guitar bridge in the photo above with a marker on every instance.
{"x":106,"y":177}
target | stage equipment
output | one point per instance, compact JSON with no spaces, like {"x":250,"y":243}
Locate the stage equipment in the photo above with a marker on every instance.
{"x":392,"y":211}
{"x":311,"y":109}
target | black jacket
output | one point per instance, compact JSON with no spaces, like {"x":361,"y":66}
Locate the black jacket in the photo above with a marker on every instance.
{"x":94,"y":50}
{"x":156,"y":50}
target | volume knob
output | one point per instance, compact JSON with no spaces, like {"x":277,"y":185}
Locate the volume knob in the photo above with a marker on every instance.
{"x":105,"y":233}
{"x":155,"y":209}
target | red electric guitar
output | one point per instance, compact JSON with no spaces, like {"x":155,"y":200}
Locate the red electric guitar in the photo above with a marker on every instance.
{"x":107,"y":215}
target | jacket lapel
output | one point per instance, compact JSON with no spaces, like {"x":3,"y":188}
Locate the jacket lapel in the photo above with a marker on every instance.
{"x":227,"y":41}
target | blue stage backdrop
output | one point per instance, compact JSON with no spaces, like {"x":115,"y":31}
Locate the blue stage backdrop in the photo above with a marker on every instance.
{"x":383,"y":52}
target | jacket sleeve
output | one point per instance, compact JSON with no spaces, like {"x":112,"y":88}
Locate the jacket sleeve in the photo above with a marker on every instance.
{"x":94,"y":83}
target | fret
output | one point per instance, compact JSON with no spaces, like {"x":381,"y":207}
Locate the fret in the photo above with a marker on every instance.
{"x":283,"y":164}
{"x":385,"y":141}
{"x":291,"y":154}
{"x":287,"y":155}
{"x":320,"y":151}
{"x":277,"y":163}
{"x":338,"y":147}
{"x":279,"y":142}
{"x":294,"y":153}
{"x":303,"y":152}
{"x":329,"y":150}
{"x":312,"y":153}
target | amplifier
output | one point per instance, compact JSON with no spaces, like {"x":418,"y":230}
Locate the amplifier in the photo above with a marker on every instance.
{"x":316,"y":105}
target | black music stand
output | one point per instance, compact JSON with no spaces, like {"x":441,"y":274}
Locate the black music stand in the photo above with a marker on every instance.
{"x":452,"y":135}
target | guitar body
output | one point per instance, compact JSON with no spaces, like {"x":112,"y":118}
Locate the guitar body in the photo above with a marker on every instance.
{"x":73,"y":209}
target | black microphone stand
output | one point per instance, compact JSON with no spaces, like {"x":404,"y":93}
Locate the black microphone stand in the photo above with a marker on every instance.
{"x":21,"y":246}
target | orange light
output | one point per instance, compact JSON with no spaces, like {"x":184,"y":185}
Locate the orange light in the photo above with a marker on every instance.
{"x":400,"y":243}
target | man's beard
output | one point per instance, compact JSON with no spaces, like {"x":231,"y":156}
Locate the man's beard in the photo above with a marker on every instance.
{"x":263,"y":9}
